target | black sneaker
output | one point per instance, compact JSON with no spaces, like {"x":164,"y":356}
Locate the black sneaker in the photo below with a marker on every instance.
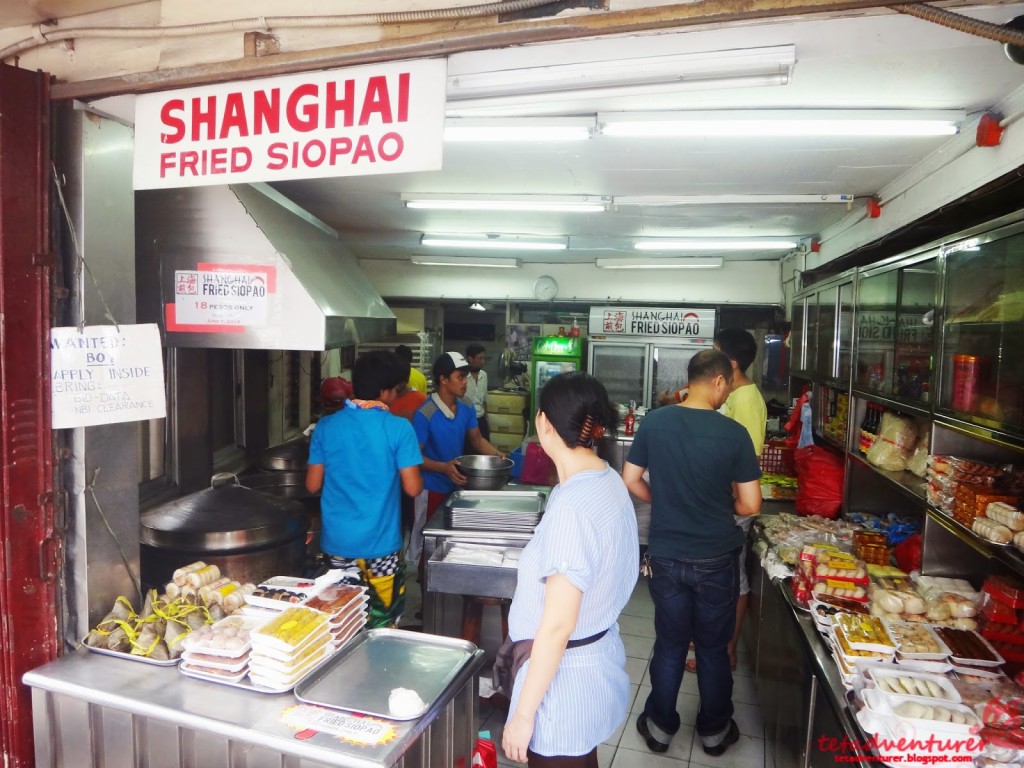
{"x":731,"y":737}
{"x":652,"y":743}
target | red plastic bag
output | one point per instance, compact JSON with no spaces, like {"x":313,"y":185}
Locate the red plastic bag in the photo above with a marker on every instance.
{"x":819,"y":475}
{"x":485,"y":755}
{"x":908,"y":553}
{"x":538,"y":468}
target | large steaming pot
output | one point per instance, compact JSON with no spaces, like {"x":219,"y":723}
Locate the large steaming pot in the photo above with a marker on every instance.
{"x":249,"y":535}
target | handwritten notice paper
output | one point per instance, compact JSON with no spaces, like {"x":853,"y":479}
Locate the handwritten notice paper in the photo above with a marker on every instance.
{"x":106,"y":374}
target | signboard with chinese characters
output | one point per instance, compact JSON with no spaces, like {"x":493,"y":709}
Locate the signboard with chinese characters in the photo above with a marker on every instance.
{"x":222,"y":295}
{"x":106,"y":374}
{"x":660,"y":322}
{"x":380,"y":118}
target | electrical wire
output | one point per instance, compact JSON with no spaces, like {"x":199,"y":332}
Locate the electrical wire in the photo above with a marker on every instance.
{"x":962,"y":23}
{"x":42,"y":35}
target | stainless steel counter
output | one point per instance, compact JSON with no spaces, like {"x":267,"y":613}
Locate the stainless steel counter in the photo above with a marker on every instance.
{"x":92,"y":710}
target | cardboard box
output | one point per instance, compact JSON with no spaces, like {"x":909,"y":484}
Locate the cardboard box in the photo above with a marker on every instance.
{"x":507,"y":423}
{"x":507,"y":402}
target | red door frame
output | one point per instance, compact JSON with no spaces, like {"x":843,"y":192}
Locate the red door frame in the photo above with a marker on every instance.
{"x":30,"y":560}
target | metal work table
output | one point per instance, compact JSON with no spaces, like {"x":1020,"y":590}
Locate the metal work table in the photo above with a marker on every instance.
{"x":442,"y":611}
{"x":93,"y":710}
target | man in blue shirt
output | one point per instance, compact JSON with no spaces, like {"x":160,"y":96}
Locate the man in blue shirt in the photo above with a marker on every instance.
{"x":361,"y":456}
{"x":702,"y":469}
{"x":444,"y":425}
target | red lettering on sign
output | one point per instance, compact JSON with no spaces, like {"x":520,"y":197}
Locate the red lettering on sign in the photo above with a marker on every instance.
{"x":207,"y":117}
{"x":385,"y":140}
{"x":363,"y":149}
{"x":376,"y":101}
{"x":241,"y":159}
{"x":219,"y":160}
{"x":346,"y":104}
{"x":189,"y":161}
{"x":234,"y":117}
{"x":302,"y":117}
{"x":166,"y":163}
{"x":403,"y":97}
{"x":340,"y":145}
{"x":278,"y":154}
{"x":168,"y":116}
{"x":313,"y":153}
{"x":266,"y":111}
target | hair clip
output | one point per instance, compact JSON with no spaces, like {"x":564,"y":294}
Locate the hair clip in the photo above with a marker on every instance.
{"x":586,"y":438}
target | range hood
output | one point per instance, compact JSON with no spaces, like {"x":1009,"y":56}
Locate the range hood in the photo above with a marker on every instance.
{"x":242,"y":267}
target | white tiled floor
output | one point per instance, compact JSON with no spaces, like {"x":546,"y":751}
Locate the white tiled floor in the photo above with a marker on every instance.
{"x":625,"y":748}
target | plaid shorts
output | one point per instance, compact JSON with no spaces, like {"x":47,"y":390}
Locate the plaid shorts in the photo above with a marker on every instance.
{"x":384,"y":578}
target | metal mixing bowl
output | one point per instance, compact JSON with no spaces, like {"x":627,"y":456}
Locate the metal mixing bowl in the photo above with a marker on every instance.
{"x":485,"y":473}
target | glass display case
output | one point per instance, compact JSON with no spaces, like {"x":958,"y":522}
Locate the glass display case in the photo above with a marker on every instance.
{"x":825,"y":363}
{"x":798,"y":336}
{"x":896,"y":307}
{"x":983,"y":331}
{"x":844,"y":337}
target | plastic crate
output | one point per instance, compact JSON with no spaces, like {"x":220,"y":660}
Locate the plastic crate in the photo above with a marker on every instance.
{"x":777,"y":459}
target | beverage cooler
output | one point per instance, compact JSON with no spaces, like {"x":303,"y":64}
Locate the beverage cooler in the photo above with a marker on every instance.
{"x":551,"y":356}
{"x":637,"y":352}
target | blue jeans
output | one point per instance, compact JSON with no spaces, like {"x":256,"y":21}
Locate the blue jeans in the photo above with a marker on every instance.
{"x":693,"y":600}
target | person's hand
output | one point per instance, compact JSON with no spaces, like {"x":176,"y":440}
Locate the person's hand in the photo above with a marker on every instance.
{"x":451,"y":471}
{"x":516,"y":739}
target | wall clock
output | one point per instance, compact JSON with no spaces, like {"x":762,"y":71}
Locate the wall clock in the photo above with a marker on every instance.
{"x":545,"y":288}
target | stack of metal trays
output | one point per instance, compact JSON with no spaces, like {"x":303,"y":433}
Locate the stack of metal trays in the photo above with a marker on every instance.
{"x":517,"y":511}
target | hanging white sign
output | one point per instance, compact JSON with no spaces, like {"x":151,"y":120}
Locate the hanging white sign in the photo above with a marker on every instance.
{"x":379,"y":118}
{"x":680,"y":323}
{"x":106,"y":374}
{"x":221,"y":297}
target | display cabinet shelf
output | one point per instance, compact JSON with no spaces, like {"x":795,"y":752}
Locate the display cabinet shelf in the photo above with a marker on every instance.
{"x":912,"y":486}
{"x":1008,"y":555}
{"x":901,"y":406}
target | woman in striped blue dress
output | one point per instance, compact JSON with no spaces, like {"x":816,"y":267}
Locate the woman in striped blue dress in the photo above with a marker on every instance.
{"x":575,"y":576}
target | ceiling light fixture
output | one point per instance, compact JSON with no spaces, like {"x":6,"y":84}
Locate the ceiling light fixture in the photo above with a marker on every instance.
{"x":476,"y":306}
{"x":497,"y":242}
{"x":457,"y":261}
{"x":519,"y":129}
{"x":538,"y":203}
{"x":656,"y":201}
{"x":709,"y":263}
{"x":714,"y":245}
{"x":673,"y":70}
{"x":789,"y":123}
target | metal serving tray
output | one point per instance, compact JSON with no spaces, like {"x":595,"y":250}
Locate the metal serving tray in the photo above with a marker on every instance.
{"x":469,"y":579}
{"x":494,"y":510}
{"x":361,"y":676}
{"x":133,"y":657}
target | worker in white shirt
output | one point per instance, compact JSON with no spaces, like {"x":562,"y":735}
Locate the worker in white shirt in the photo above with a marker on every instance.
{"x":476,"y":386}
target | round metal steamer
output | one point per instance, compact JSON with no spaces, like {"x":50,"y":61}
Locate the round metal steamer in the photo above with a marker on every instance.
{"x":287,"y":457}
{"x":250,"y":536}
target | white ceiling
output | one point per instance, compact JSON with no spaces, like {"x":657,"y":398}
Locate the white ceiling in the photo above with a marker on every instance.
{"x":876,"y":61}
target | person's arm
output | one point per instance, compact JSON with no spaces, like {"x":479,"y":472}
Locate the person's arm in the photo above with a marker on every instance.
{"x":314,"y":477}
{"x":633,"y":477}
{"x":480,"y":445}
{"x":448,"y":468}
{"x":748,"y":498}
{"x":412,"y":480}
{"x":561,"y":611}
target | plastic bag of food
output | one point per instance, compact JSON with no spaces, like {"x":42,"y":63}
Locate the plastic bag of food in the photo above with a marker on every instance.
{"x":894,"y":444}
{"x":918,"y":462}
{"x":820,"y":476}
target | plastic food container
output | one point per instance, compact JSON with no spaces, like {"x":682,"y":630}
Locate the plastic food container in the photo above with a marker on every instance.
{"x":289,"y":630}
{"x":213,"y":674}
{"x":309,"y":645}
{"x":268,"y":677}
{"x":902,"y":681}
{"x":968,"y":647}
{"x":228,"y":638}
{"x":863,"y":633}
{"x":202,"y":661}
{"x":1005,"y":590}
{"x":917,"y":641}
{"x":336,"y":598}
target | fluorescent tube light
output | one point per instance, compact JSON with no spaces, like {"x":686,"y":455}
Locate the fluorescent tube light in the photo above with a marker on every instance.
{"x":497,"y":242}
{"x":655,"y":201}
{"x":456,"y":261}
{"x":790,"y":123}
{"x":519,"y":129}
{"x":714,"y":262}
{"x":670,"y":70}
{"x":538,"y":203}
{"x":714,"y":245}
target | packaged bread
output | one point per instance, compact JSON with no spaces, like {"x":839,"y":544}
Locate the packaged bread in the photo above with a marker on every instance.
{"x":992,"y":531}
{"x":1005,"y":514}
{"x":1018,"y":539}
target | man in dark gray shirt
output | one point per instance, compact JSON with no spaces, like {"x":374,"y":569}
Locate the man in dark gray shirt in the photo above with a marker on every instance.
{"x":703,"y":469}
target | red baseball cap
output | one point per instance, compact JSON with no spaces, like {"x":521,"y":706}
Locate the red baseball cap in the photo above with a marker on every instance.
{"x":335,"y":390}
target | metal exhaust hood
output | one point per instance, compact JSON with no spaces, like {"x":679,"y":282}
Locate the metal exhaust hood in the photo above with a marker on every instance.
{"x":242,"y":267}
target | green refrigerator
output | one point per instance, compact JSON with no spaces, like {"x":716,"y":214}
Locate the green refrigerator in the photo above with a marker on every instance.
{"x":551,"y":356}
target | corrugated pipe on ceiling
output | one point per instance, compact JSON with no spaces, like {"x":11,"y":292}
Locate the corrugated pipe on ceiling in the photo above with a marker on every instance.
{"x":45,"y":34}
{"x":998,"y":32}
